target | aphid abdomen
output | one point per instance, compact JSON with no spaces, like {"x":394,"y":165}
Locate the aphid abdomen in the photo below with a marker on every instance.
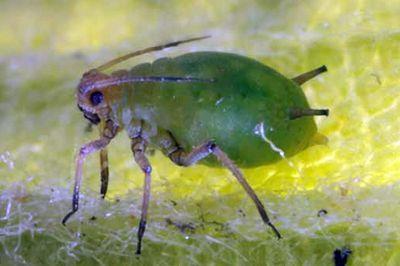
{"x":246,"y":100}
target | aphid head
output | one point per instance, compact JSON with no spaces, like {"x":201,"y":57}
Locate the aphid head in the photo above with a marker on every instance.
{"x":93,"y":97}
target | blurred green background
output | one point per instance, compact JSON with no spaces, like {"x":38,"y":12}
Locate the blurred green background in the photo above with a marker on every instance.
{"x":200,"y":215}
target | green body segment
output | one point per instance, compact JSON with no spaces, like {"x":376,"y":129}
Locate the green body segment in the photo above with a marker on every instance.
{"x":244,"y":97}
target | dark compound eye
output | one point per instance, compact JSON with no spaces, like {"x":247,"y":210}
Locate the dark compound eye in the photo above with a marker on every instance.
{"x":96,"y":98}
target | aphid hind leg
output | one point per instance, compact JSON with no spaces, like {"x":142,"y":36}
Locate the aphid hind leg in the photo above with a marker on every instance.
{"x":228,"y":163}
{"x":181,"y":158}
{"x":138,"y":147}
{"x":108,"y":134}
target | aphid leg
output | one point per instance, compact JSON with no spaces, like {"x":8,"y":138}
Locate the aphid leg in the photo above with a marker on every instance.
{"x":224,"y":159}
{"x":83,"y":152}
{"x":182,"y":158}
{"x":108,"y":134}
{"x":186,"y":159}
{"x":104,"y":173}
{"x":138,"y":147}
{"x":309,"y":75}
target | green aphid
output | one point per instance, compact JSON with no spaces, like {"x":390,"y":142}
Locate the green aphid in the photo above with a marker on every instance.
{"x":196,"y":105}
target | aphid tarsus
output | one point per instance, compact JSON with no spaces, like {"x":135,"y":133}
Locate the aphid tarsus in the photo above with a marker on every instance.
{"x":340,"y":256}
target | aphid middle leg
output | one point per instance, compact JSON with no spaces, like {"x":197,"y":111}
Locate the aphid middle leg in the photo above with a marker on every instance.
{"x":186,"y":159}
{"x":104,"y":172}
{"x":138,"y":147}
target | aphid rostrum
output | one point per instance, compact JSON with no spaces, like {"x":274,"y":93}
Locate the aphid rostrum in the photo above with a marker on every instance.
{"x":203,"y":107}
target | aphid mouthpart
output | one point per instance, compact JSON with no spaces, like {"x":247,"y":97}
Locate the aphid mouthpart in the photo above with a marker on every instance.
{"x":92,"y":117}
{"x":295,"y":113}
{"x":148,"y":50}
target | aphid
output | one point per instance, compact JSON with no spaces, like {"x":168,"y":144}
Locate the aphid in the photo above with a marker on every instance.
{"x":193,"y":106}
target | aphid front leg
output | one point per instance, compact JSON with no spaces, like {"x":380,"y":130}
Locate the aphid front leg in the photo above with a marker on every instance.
{"x":138,"y":147}
{"x":180,"y":157}
{"x":108,"y":134}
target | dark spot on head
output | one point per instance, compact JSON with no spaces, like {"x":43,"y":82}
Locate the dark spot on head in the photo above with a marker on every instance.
{"x":96,"y":98}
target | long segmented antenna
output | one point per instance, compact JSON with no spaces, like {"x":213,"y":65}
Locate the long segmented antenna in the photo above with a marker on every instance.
{"x":147,"y":50}
{"x":113,"y":81}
